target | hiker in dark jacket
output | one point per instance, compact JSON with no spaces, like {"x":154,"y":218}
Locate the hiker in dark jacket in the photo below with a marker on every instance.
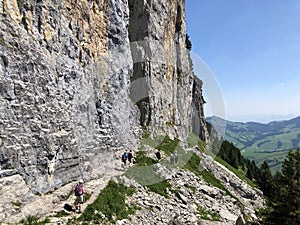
{"x":130,"y":156}
{"x":158,"y":155}
{"x":124,"y":159}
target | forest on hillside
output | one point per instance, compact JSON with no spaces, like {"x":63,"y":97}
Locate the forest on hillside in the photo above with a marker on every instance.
{"x":282,"y":191}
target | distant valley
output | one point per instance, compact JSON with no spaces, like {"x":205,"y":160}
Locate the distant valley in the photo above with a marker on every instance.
{"x":257,"y":141}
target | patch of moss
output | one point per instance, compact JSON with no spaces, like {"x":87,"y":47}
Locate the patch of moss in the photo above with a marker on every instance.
{"x":20,"y":5}
{"x":71,"y":221}
{"x":169,"y":123}
{"x":145,"y":135}
{"x":193,"y":164}
{"x":144,"y":175}
{"x":17,"y":203}
{"x":202,"y":146}
{"x":211,"y":179}
{"x":147,"y":140}
{"x":144,"y":172}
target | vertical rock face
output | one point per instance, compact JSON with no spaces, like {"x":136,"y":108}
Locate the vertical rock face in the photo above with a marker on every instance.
{"x":70,"y":73}
{"x":199,"y":125}
{"x":162,"y":67}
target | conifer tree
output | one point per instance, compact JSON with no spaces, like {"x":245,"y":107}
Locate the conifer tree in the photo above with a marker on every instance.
{"x":264,"y":179}
{"x":283,"y":207}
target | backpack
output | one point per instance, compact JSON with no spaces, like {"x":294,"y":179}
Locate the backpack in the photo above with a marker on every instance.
{"x":78,"y":190}
{"x":124,"y":157}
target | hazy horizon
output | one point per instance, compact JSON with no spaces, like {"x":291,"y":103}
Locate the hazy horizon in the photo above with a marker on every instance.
{"x":253,"y":51}
{"x":258,"y":118}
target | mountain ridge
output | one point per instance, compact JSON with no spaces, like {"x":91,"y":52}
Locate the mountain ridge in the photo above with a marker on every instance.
{"x":209,"y":118}
{"x":259,"y":141}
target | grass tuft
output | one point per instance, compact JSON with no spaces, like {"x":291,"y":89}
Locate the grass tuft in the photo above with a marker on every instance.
{"x":207,"y":214}
{"x":33,"y":220}
{"x":190,"y":187}
{"x":142,"y":160}
{"x":168,"y":145}
{"x":61,"y":213}
{"x":237,"y":172}
{"x":110,"y":205}
{"x":194,"y":140}
{"x":160,"y":188}
{"x":193,"y":165}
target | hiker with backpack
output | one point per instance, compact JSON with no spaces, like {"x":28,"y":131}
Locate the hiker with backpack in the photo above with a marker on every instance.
{"x":124,"y":159}
{"x":79,"y":193}
{"x":158,"y":155}
{"x":130,"y":157}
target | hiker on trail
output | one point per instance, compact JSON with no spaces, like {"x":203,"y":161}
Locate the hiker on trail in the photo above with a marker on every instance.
{"x":158,"y":155}
{"x":175,"y":157}
{"x":130,"y":157}
{"x":79,"y":193}
{"x":172,"y":158}
{"x":124,"y":159}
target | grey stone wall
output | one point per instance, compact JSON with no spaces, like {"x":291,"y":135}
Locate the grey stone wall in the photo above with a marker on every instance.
{"x":64,"y":96}
{"x":79,"y":79}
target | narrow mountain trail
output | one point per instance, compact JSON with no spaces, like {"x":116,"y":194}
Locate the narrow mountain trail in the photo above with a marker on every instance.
{"x":58,"y":205}
{"x":93,"y":188}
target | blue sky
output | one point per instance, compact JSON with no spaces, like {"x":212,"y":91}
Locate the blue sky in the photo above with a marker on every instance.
{"x":253,"y":49}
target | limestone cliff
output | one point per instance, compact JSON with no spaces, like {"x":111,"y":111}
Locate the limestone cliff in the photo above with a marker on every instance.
{"x":66,"y":72}
{"x":157,"y":34}
{"x":65,"y":77}
{"x":79,"y":80}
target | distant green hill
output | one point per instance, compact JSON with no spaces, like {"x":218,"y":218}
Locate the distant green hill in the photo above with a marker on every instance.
{"x":270,"y":142}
